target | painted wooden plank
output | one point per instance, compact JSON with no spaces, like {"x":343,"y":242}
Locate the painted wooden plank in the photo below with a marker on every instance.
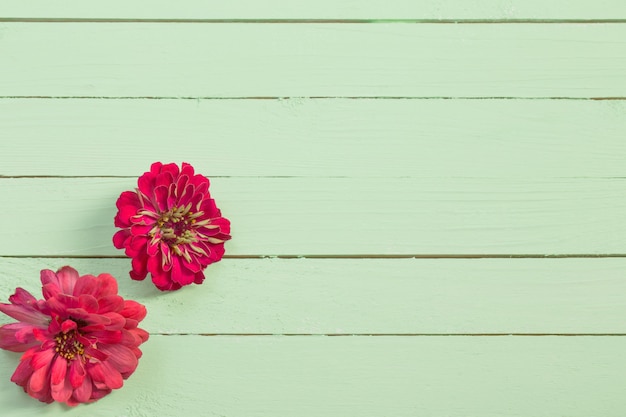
{"x":339,"y":216}
{"x":369,"y":296}
{"x":313,"y":138}
{"x":321,"y":9}
{"x":243,"y":60}
{"x":359,"y":376}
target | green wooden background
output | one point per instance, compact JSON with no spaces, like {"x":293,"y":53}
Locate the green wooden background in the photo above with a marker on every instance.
{"x":427,"y":198}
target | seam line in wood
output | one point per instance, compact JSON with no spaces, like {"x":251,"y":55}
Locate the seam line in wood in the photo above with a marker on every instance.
{"x":359,"y":256}
{"x":310,"y":21}
{"x":396,"y":334}
{"x":279,"y":98}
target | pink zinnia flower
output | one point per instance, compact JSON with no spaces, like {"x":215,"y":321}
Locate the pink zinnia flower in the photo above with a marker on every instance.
{"x":171,"y":226}
{"x":80,"y":342}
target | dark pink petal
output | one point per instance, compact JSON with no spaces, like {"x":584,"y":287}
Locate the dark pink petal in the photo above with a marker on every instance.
{"x":186,"y":194}
{"x":107,"y":285}
{"x":82,"y":392}
{"x":141,"y":334}
{"x":133,"y":310}
{"x":192,"y":266}
{"x":17,"y":337}
{"x":160,"y":194}
{"x":136,"y":245}
{"x":41,"y":358}
{"x":110,"y":303}
{"x":201,"y":184}
{"x":156,"y":167}
{"x":23,"y":372}
{"x":58,"y":370}
{"x":67,"y":277}
{"x":141,"y":229}
{"x":61,"y":387}
{"x":127,"y":198}
{"x":162,"y":281}
{"x":209,"y":208}
{"x":106,"y":336}
{"x":86,"y":285}
{"x":95,"y":353}
{"x":223,"y":223}
{"x":23,"y":297}
{"x":60,"y":302}
{"x":198,"y":278}
{"x":140,"y":267}
{"x":125,"y":214}
{"x":24,"y":313}
{"x":154,"y":264}
{"x":40,"y":379}
{"x":121,"y":358}
{"x":146,"y":184}
{"x":77,"y":374}
{"x":68,"y":325}
{"x":171,"y":196}
{"x":120,"y":238}
{"x":88,"y":303}
{"x":181,"y":275}
{"x":104,"y":372}
{"x":172,"y":169}
{"x":94,"y":321}
{"x":117,"y":321}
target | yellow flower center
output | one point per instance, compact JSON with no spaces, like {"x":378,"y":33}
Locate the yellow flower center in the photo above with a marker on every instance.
{"x":68,"y":346}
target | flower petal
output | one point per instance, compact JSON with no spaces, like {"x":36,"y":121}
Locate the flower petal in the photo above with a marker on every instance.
{"x":82,"y":392}
{"x":17,"y":337}
{"x":121,"y":358}
{"x":61,"y":387}
{"x":77,"y":374}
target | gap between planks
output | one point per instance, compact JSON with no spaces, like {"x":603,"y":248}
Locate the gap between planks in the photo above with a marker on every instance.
{"x":312,"y":21}
{"x":280,"y":98}
{"x":361,"y":256}
{"x":393,"y":334}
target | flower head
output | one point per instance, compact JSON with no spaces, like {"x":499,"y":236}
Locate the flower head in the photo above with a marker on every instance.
{"x":80,"y":342}
{"x":171,"y":226}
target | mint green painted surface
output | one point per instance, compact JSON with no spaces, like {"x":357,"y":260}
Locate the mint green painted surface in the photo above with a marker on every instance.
{"x":531,"y":166}
{"x":304,"y":60}
{"x":319,"y":9}
{"x":318,"y":138}
{"x":344,"y":216}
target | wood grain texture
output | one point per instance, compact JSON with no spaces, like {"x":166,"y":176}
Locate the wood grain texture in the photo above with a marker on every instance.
{"x":369,"y":296}
{"x":334,"y":216}
{"x":316,"y":138}
{"x":83,"y":59}
{"x":320,"y":9}
{"x":359,"y":376}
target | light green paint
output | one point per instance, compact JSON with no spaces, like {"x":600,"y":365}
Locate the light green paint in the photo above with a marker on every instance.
{"x":341,"y":216}
{"x":369,"y":296}
{"x":319,"y":9}
{"x":360,"y":376}
{"x":287,"y":60}
{"x":337,"y":177}
{"x":316,"y":138}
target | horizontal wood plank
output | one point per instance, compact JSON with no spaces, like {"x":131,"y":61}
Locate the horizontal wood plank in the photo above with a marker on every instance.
{"x":320,"y":9}
{"x":369,"y":296}
{"x":359,"y":376}
{"x":340,"y":216}
{"x":243,"y":60}
{"x":316,"y":138}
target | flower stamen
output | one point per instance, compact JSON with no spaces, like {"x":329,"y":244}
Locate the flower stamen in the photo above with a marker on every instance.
{"x":177,"y":227}
{"x":68,"y":346}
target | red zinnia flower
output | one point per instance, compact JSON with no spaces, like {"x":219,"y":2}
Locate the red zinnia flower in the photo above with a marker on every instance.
{"x":80,"y":342}
{"x":171,"y":226}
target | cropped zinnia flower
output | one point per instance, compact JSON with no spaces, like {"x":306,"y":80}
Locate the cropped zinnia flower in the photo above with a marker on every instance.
{"x":80,"y":342}
{"x":171,"y":226}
